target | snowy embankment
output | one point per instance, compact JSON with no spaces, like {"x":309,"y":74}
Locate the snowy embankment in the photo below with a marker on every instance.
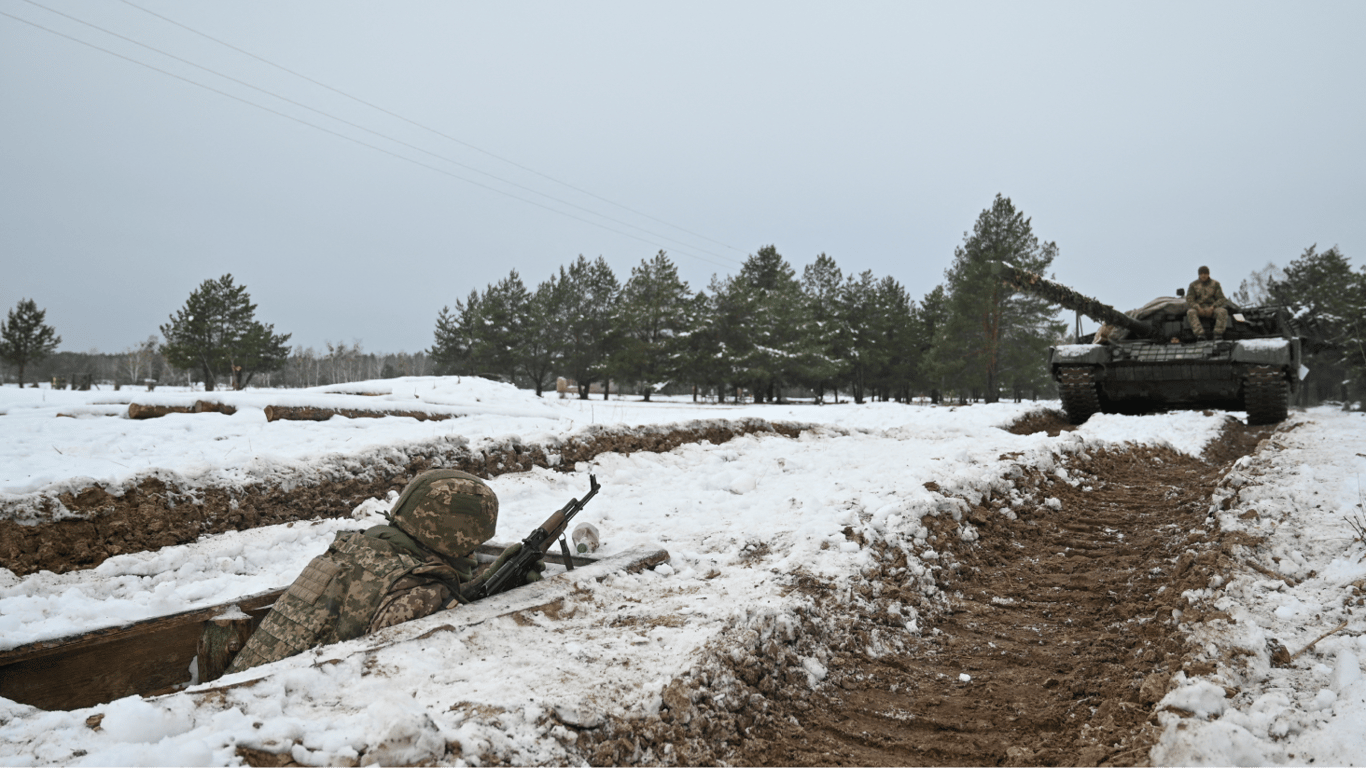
{"x":1301,"y":495}
{"x":43,"y":455}
{"x":743,"y":522}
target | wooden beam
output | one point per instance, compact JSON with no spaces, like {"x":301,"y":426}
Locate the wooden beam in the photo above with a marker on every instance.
{"x":309,"y":413}
{"x":154,"y":655}
{"x":107,"y":664}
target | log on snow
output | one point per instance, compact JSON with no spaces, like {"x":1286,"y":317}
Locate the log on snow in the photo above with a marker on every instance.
{"x":136,"y":411}
{"x":309,"y":413}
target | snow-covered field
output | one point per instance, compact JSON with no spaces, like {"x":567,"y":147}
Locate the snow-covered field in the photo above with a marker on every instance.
{"x":739,"y":519}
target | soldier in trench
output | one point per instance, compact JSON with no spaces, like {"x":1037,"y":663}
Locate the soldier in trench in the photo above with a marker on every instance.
{"x":414,"y":566}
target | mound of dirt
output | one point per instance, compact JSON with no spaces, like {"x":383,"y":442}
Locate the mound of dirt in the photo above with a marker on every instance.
{"x":1051,"y":420}
{"x":97,"y":524}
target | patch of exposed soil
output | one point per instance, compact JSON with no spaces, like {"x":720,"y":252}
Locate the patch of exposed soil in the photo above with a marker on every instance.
{"x":1063,"y":621}
{"x":1051,"y":420}
{"x":99,"y":523}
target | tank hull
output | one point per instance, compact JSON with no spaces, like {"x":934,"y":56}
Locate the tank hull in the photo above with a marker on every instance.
{"x":1256,"y":375}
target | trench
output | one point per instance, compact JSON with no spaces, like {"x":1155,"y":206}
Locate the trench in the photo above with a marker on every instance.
{"x":1058,"y":632}
{"x":81,"y":529}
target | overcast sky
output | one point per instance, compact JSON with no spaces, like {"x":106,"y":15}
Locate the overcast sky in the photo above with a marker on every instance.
{"x":1144,"y":138}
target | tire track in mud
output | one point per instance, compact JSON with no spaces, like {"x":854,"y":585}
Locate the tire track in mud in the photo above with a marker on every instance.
{"x":1062,"y":620}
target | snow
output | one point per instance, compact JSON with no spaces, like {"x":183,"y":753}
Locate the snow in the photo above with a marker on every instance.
{"x":1075,"y":350}
{"x":1263,"y":345}
{"x":1298,"y":492}
{"x":739,"y":520}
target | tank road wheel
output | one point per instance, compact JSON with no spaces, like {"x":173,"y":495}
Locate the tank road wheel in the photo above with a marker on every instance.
{"x":1266,"y":396}
{"x":1080,"y":398}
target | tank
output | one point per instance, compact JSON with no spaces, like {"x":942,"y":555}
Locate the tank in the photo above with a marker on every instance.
{"x":1149,"y":360}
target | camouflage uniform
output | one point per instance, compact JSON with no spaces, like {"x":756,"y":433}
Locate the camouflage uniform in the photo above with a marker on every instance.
{"x":385,"y":575}
{"x":1206,"y":295}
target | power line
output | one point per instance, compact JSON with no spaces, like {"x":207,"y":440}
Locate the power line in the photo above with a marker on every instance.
{"x":427,"y":128}
{"x":376,"y":133}
{"x":343,"y":136}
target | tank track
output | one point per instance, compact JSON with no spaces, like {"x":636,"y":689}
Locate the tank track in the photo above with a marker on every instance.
{"x":1080,"y":398}
{"x":1266,"y":395}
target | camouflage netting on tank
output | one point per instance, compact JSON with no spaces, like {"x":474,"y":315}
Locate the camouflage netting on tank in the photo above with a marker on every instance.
{"x":67,"y":529}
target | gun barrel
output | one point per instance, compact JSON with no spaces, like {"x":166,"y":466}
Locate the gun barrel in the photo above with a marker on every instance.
{"x":1028,"y":282}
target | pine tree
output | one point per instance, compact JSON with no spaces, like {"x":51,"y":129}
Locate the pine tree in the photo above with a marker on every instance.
{"x":858,"y":310}
{"x":992,"y":331}
{"x":541,"y":347}
{"x":776,"y":344}
{"x":25,"y":338}
{"x":823,"y":284}
{"x":652,"y":318}
{"x":591,"y":292}
{"x":485,"y":333}
{"x":500,"y":328}
{"x":702,"y":350}
{"x":896,"y":331}
{"x":1329,"y":299}
{"x":453,"y":350}
{"x":217,"y":333}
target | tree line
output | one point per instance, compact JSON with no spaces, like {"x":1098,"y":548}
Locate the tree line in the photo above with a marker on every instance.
{"x":213,"y":339}
{"x":144,"y":366}
{"x":766,"y":332}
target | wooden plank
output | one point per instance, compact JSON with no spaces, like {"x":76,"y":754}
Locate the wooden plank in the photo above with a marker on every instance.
{"x":107,"y":664}
{"x":142,"y":657}
{"x":528,"y":598}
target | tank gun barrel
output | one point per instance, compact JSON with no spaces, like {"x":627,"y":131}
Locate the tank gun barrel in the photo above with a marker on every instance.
{"x":1028,"y":282}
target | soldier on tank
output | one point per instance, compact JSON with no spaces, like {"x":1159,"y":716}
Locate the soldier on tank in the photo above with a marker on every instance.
{"x":1205,"y":298}
{"x":366,"y":581}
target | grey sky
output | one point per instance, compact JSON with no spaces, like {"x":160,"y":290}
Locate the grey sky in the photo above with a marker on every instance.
{"x":1144,"y":138}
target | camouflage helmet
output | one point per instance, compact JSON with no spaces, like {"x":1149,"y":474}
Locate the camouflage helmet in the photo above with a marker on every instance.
{"x":446,"y":510}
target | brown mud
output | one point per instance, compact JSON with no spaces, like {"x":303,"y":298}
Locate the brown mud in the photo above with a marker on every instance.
{"x":99,"y":523}
{"x":1064,"y":622}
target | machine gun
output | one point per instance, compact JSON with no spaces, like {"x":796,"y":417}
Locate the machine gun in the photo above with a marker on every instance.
{"x":511,"y":568}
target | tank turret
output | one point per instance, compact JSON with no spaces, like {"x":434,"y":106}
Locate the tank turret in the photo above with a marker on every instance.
{"x":1028,"y":282}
